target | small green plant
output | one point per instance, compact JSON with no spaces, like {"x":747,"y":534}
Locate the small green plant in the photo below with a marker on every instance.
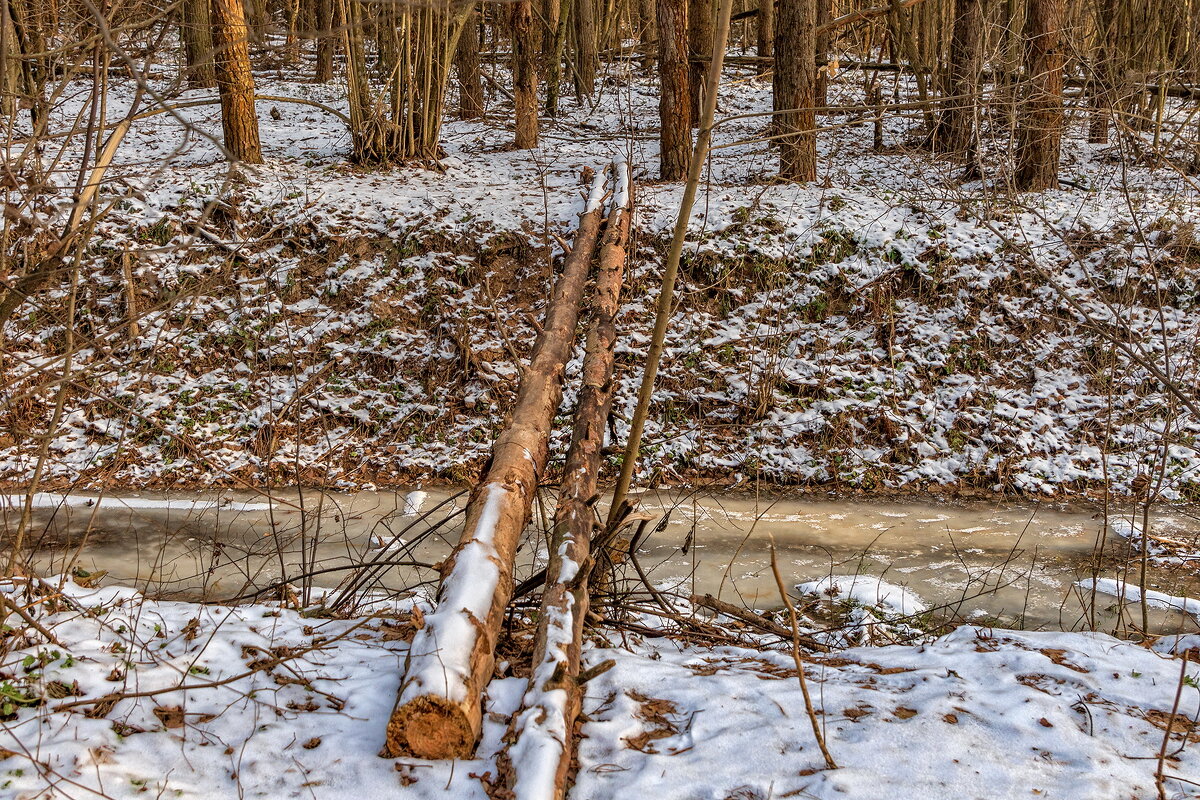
{"x":13,"y":697}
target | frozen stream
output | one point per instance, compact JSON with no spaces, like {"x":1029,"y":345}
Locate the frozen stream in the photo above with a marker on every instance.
{"x":1012,"y":565}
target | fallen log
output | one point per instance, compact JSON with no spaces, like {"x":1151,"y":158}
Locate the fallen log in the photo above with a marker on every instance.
{"x":438,"y":711}
{"x":540,"y":757}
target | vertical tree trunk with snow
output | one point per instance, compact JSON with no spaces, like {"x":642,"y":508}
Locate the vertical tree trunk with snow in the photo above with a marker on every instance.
{"x":439,"y":710}
{"x":1041,"y":124}
{"x":700,"y":36}
{"x":794,"y":87}
{"x":239,"y":120}
{"x":525,"y":57}
{"x":956,"y":125}
{"x":674,"y":110}
{"x":466,"y":64}
{"x":196,"y":32}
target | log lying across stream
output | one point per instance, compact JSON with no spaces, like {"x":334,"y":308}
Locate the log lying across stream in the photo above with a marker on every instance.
{"x":540,"y":757}
{"x":438,"y":712}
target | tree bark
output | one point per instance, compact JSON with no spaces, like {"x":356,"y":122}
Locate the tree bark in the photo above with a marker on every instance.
{"x":794,"y":89}
{"x":256,"y":15}
{"x":823,"y":38}
{"x":956,"y":126}
{"x":235,"y":81}
{"x":555,"y":62}
{"x":438,"y":712}
{"x":525,"y":57}
{"x":550,"y":10}
{"x":326,"y":40}
{"x":10,"y":63}
{"x":1103,"y":72}
{"x":700,"y":36}
{"x":466,"y":64}
{"x":195,"y":29}
{"x":545,"y":723}
{"x":585,"y":48}
{"x":648,"y":33}
{"x":674,"y":110}
{"x":1040,"y":132}
{"x":766,"y":29}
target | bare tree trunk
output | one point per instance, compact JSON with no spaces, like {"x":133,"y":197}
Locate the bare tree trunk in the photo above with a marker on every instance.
{"x":1040,"y":132}
{"x":439,"y":710}
{"x":648,"y":34}
{"x":956,"y":126}
{"x":525,"y":53}
{"x":795,"y":84}
{"x":766,"y":29}
{"x":700,"y":36}
{"x":235,"y":81}
{"x":326,"y":40}
{"x":10,"y":63}
{"x":291,"y":46}
{"x":195,"y":29}
{"x":674,"y":111}
{"x":585,"y":48}
{"x":552,"y":699}
{"x":908,"y":44}
{"x":1103,"y":72}
{"x":554,"y":75}
{"x":255,"y":12}
{"x":466,"y":64}
{"x":550,"y":10}
{"x":35,"y":66}
{"x":822,"y":54}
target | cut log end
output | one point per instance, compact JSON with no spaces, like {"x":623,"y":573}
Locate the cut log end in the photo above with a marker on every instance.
{"x":429,"y":727}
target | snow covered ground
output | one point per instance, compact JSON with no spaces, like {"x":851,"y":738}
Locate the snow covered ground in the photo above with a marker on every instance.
{"x":162,"y":699}
{"x":881,"y":328}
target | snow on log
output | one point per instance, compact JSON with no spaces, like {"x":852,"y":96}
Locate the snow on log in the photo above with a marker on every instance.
{"x":541,"y":755}
{"x":438,"y":712}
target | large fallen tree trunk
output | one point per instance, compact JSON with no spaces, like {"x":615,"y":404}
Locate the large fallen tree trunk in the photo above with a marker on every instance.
{"x":438,"y":712}
{"x":540,"y":757}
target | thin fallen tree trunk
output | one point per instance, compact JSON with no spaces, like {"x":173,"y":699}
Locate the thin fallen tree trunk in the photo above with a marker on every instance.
{"x":666,"y":294}
{"x":438,"y":712}
{"x":541,"y":755}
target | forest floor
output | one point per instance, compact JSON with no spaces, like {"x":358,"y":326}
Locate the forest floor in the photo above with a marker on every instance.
{"x":282,"y":703}
{"x":888,"y":328}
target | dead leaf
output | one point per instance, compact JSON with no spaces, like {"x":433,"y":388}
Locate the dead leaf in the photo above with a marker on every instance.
{"x":312,"y":743}
{"x":950,"y":718}
{"x":903,"y":712}
{"x":102,"y":706}
{"x":169,"y":716}
{"x":1059,"y":656}
{"x":654,"y":712}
